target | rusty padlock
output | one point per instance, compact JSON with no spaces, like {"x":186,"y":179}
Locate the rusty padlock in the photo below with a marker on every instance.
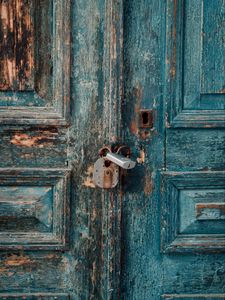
{"x":106,"y":168}
{"x":106,"y":173}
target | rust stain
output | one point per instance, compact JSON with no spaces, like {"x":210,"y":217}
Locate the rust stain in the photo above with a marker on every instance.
{"x":17,"y":260}
{"x":88,"y":182}
{"x":148,"y":185}
{"x":141,"y":159}
{"x":222,"y":91}
{"x":138,"y":93}
{"x":134,"y":124}
{"x":133,"y":127}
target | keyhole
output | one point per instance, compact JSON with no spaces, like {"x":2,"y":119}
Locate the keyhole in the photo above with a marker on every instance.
{"x":107,"y":163}
{"x":145,"y":116}
{"x":146,"y":119}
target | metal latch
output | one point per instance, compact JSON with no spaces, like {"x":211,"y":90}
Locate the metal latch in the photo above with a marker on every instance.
{"x":106,"y":168}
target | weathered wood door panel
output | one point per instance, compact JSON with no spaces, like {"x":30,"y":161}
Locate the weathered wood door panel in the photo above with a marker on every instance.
{"x":173,"y":220}
{"x":35,"y":62}
{"x":58,"y":85}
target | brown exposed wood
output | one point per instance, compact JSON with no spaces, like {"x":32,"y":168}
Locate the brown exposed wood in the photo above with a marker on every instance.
{"x":88,"y":181}
{"x":16,"y":45}
{"x":40,"y":139}
{"x":141,"y":158}
{"x":210,"y":211}
{"x":148,"y":186}
{"x":17,"y":260}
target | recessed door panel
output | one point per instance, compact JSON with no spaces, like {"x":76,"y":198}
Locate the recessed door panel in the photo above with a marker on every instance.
{"x":33,"y":209}
{"x":34,"y":61}
{"x":195,"y":64}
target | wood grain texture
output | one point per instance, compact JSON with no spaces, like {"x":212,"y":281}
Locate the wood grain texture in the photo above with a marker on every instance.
{"x":35,"y":296}
{"x":23,"y":147}
{"x":17,"y":46}
{"x":180,"y":230}
{"x":213,"y":56}
{"x":117,"y":71}
{"x":147,"y":274}
{"x":195,"y":296}
{"x":97,"y":88}
{"x":143,"y":62}
{"x":88,"y":268}
{"x":210,"y":211}
{"x":34,"y":208}
{"x":194,"y":63}
{"x":195,"y":150}
{"x":39,"y":50}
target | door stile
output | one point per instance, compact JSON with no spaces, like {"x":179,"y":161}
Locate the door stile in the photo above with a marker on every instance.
{"x":96,"y":91}
{"x":112,"y":102}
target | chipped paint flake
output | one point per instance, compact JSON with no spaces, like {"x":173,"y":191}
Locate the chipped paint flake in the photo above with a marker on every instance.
{"x":141,"y":158}
{"x":88,"y":182}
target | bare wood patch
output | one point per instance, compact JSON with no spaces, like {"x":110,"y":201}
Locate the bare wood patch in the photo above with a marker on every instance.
{"x":88,"y":182}
{"x":17,"y":260}
{"x":16,"y":45}
{"x":40,"y":140}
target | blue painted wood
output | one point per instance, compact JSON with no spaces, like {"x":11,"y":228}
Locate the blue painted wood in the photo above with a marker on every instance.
{"x":34,"y":208}
{"x":34,"y":144}
{"x":183,"y":193}
{"x":197,"y":297}
{"x":113,"y":59}
{"x":194,"y":63}
{"x":171,"y":57}
{"x":35,"y":296}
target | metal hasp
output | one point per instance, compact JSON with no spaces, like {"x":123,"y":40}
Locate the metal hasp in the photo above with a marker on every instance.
{"x":121,"y":161}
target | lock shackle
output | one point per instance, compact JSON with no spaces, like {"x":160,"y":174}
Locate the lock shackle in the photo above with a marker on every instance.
{"x":124,"y":147}
{"x":104,"y":150}
{"x":120,"y":149}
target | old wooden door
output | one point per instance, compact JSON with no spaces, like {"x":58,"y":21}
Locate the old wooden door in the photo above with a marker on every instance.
{"x":77,"y":75}
{"x":59,"y":104}
{"x":174,"y":203}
